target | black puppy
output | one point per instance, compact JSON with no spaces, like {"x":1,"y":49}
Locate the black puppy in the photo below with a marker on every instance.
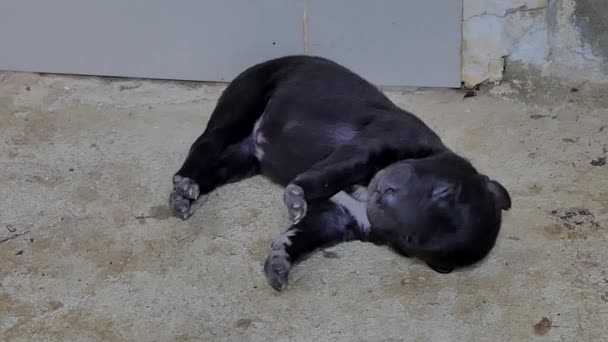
{"x":355,"y":167}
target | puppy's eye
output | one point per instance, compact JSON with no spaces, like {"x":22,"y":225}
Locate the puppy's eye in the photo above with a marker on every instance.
{"x":390,"y":191}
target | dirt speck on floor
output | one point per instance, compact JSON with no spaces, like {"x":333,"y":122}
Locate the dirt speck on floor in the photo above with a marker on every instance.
{"x":542,"y":327}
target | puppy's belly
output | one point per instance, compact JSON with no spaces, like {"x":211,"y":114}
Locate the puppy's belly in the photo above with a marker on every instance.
{"x":299,"y":138}
{"x":284,"y":153}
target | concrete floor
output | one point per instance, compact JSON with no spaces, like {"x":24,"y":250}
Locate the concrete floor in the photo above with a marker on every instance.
{"x":90,"y":251}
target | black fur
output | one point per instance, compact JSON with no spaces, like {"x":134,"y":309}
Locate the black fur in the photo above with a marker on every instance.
{"x":319,"y":129}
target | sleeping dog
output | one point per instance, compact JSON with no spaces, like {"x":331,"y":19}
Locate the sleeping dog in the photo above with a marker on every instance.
{"x":354,"y":167}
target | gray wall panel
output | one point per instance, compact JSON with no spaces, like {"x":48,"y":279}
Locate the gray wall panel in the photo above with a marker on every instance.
{"x":391,"y":42}
{"x":180,"y":39}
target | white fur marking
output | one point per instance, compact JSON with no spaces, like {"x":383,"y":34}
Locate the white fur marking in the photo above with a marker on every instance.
{"x":360,"y":193}
{"x":284,"y":240}
{"x":258,"y":139}
{"x":355,"y":207}
{"x":280,"y":243}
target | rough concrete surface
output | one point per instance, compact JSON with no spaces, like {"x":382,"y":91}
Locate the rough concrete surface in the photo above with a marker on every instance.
{"x":90,"y":252}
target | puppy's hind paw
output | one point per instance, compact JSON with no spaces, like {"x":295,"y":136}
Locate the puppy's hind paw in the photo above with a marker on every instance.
{"x":181,"y":206}
{"x":186,"y":187}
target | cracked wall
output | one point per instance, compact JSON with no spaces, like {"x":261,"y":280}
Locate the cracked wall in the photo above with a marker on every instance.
{"x":565,"y":38}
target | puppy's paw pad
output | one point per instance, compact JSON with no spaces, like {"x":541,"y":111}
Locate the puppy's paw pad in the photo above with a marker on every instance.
{"x":186,"y":187}
{"x":276,"y":269}
{"x":295,"y":202}
{"x":180,"y":205}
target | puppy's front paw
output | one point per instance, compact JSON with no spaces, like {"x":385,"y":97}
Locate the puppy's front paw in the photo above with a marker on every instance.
{"x":186,"y":187}
{"x":295,"y":202}
{"x":276,"y":268}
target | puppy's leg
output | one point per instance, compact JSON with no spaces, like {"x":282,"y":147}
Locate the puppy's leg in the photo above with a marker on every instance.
{"x":347,"y":165}
{"x":232,"y":122}
{"x":381,"y":143}
{"x":235,"y":163}
{"x":195,"y":176}
{"x":327,"y":223}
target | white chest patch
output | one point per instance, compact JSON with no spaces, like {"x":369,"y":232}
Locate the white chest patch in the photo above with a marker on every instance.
{"x":355,"y":207}
{"x":360,"y":193}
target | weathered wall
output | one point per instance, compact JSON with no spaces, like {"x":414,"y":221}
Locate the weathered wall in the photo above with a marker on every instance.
{"x":562,"y":38}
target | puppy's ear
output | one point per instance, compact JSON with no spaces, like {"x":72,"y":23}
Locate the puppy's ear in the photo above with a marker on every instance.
{"x":501,"y":195}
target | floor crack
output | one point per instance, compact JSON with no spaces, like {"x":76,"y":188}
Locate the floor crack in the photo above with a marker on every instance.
{"x":13,"y":236}
{"x":508,"y":12}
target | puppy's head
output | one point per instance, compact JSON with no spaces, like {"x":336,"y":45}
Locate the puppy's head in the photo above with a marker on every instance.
{"x":438,"y":209}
